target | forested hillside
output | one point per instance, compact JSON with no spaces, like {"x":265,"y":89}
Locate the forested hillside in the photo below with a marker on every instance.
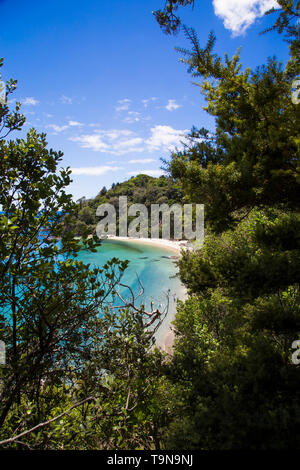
{"x":140,"y":189}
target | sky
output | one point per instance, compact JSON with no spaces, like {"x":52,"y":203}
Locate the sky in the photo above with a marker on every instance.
{"x":106,"y":85}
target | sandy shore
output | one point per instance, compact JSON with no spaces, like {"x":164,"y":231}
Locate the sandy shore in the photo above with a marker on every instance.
{"x":165,"y":340}
{"x":165,"y":334}
{"x":172,"y":245}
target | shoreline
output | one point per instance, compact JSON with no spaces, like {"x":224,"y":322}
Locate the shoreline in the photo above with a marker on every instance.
{"x":165,"y":334}
{"x":172,"y":245}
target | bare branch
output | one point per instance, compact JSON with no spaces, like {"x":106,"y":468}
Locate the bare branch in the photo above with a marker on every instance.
{"x":46,"y":423}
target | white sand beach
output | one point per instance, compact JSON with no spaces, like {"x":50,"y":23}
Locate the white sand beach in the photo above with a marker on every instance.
{"x":172,"y":245}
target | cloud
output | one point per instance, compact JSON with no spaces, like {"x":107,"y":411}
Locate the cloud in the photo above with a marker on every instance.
{"x":114,"y":134}
{"x":114,"y":142}
{"x":145,"y":172}
{"x":143,"y":160}
{"x":129,"y":144}
{"x":149,"y":100}
{"x":165,"y":138}
{"x":132,"y":116}
{"x":57,"y":129}
{"x":66,"y":99}
{"x":75,"y":124}
{"x":123,"y":105}
{"x":91,"y":141}
{"x":94,"y":170}
{"x":123,"y":141}
{"x":172,"y":105}
{"x":238,"y":15}
{"x":30,"y":101}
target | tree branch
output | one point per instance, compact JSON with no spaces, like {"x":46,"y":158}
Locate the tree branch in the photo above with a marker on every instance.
{"x":46,"y":423}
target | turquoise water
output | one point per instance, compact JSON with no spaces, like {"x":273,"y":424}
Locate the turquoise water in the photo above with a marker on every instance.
{"x":155,"y":267}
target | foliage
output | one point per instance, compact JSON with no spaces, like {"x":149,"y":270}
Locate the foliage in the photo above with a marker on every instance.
{"x":10,"y":120}
{"x":285,"y":23}
{"x":82,"y":369}
{"x":140,"y":189}
{"x":78,"y":375}
{"x":252,"y":158}
{"x":232,"y":362}
{"x":122,"y":374}
{"x":167,"y":19}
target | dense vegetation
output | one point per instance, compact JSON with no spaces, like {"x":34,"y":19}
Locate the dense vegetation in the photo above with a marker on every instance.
{"x":140,"y":189}
{"x":77,"y":380}
{"x":78,"y":373}
{"x":233,"y":354}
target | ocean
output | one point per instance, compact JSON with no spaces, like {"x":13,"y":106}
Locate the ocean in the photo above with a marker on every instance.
{"x":154,"y":266}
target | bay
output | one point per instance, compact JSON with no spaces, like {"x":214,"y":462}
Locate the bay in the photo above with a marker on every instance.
{"x":154,"y":266}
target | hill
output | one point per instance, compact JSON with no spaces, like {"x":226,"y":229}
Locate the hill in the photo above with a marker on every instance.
{"x":142,"y":189}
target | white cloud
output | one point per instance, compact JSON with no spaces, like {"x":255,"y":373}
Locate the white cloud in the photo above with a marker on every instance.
{"x":145,"y":172}
{"x":132,"y":116}
{"x":66,"y":99}
{"x":130,"y":143}
{"x":143,"y":160}
{"x":165,"y":138}
{"x":123,"y":105}
{"x":91,"y":141}
{"x":123,"y":141}
{"x":57,"y":128}
{"x":114,"y":134}
{"x":75,"y":124}
{"x":149,"y":100}
{"x":30,"y":101}
{"x":94,"y":170}
{"x":172,"y":105}
{"x":238,"y":15}
{"x":114,"y":142}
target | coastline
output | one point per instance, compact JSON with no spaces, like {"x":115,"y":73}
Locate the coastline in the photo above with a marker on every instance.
{"x":165,"y":334}
{"x":172,"y":245}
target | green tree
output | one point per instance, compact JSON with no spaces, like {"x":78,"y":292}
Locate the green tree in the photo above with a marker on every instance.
{"x":167,"y":17}
{"x":86,"y":215}
{"x":232,"y":363}
{"x":252,"y":158}
{"x":233,"y":355}
{"x":49,"y":300}
{"x":286,"y":21}
{"x":56,"y":318}
{"x":103,"y":191}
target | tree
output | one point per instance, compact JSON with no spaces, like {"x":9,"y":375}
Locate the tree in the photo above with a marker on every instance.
{"x":232,"y":363}
{"x":167,"y":19}
{"x":56,"y":316}
{"x":286,"y":21}
{"x":86,"y":215}
{"x":103,"y":191}
{"x":49,"y":300}
{"x":252,"y":157}
{"x":233,"y":353}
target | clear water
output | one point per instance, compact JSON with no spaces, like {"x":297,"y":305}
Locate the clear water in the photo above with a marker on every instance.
{"x":155,"y":267}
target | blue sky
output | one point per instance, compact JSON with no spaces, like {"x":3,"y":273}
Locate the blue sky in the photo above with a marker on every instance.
{"x":106,"y":85}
